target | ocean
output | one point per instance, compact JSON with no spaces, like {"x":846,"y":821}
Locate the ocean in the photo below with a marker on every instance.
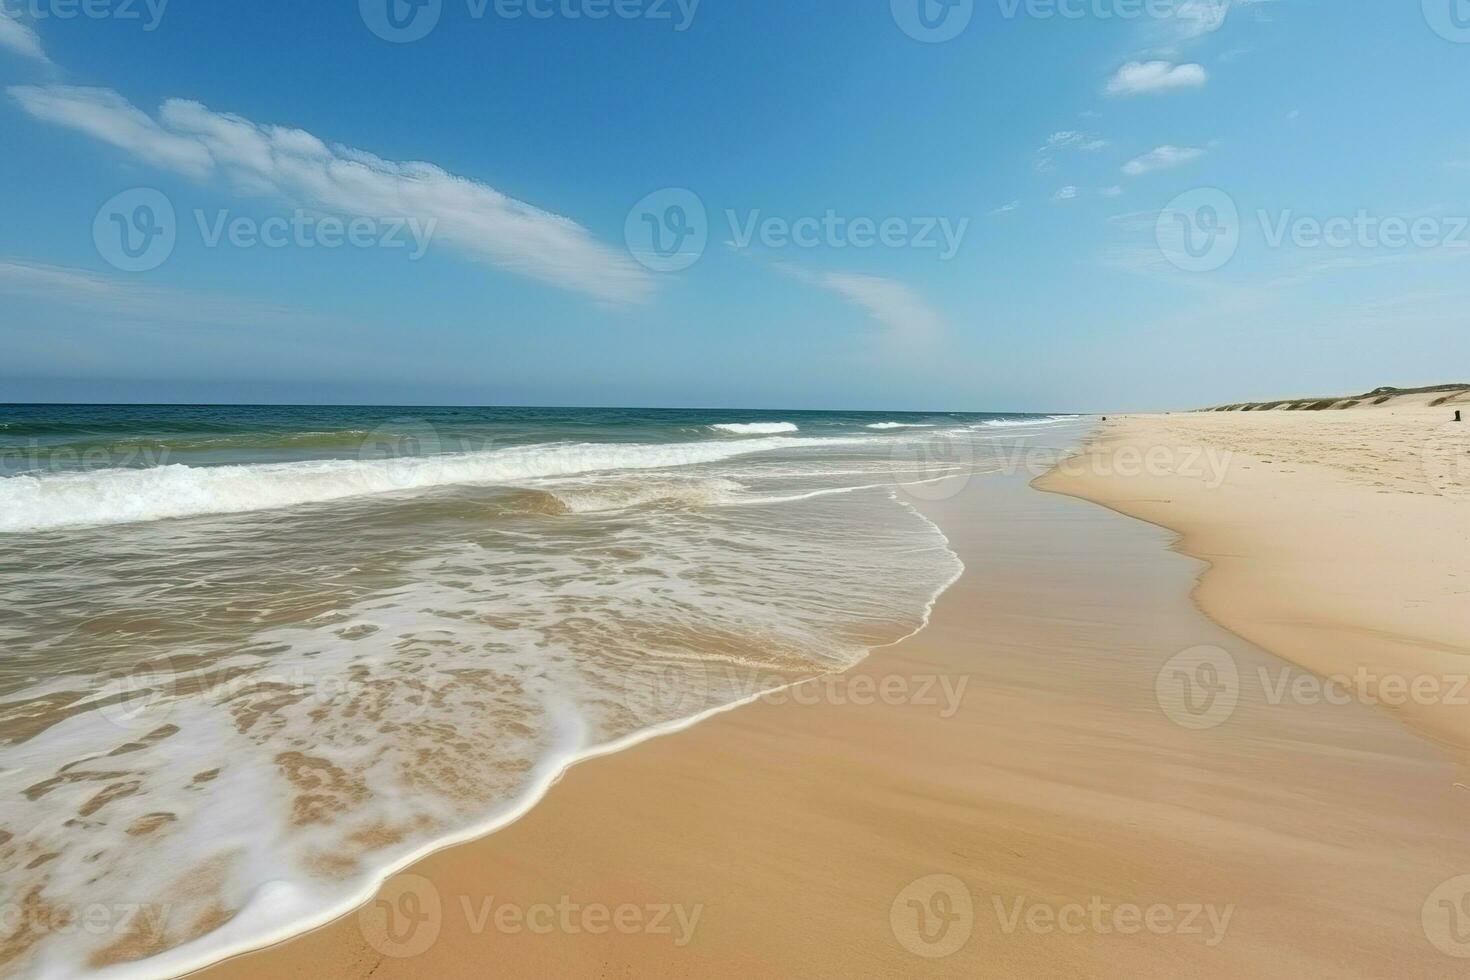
{"x":257,"y":658}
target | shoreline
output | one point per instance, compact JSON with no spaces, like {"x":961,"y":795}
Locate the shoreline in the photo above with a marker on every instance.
{"x":180,"y":961}
{"x":1369,"y":606}
{"x":894,"y":796}
{"x":555,"y":771}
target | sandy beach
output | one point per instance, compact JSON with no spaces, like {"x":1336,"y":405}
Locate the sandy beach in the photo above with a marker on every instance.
{"x":1111,"y":752}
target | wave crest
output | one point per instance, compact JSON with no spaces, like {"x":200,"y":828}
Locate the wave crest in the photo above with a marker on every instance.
{"x":123,"y":496}
{"x":755,"y":428}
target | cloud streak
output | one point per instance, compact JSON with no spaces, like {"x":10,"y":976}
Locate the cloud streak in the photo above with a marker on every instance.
{"x":905,"y":316}
{"x":301,"y":170}
{"x":133,"y":299}
{"x":20,"y":38}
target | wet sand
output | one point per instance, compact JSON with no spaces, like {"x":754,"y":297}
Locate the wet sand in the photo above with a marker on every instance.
{"x":1073,"y":814}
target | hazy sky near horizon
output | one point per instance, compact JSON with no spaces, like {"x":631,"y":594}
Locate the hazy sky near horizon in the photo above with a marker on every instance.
{"x":1066,"y":205}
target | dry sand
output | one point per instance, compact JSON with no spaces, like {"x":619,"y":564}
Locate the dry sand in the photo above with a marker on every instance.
{"x":1092,"y":822}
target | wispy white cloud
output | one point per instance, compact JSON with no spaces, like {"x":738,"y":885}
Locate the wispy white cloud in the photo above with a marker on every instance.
{"x":1067,"y":193}
{"x":1113,"y":191}
{"x":1064,"y":141}
{"x":20,"y":38}
{"x":1070,"y":139}
{"x":893,"y":304}
{"x":1162,"y":158}
{"x":1196,"y":18}
{"x":1153,"y":77}
{"x":107,"y":116}
{"x":1007,"y":207}
{"x":134,"y":299}
{"x":299,"y":169}
{"x":903,"y":313}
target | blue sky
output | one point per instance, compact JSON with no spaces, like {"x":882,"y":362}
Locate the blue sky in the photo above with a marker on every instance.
{"x":1056,"y":149}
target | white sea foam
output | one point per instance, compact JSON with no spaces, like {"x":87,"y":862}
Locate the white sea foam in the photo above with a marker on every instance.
{"x":1012,"y":423}
{"x":446,"y":705}
{"x":900,"y":425}
{"x":120,"y":496}
{"x":755,"y":428}
{"x":593,"y":496}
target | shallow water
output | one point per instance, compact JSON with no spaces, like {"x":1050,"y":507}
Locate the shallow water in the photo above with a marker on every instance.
{"x":257,"y":657}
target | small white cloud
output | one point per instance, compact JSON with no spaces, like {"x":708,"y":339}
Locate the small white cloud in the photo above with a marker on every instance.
{"x":1163,"y":158}
{"x":1065,"y":194}
{"x":1114,"y":191}
{"x":1152,"y":77}
{"x":1006,"y":208}
{"x":19,"y":38}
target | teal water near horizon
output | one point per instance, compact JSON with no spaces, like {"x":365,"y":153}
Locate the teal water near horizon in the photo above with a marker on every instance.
{"x":258,"y":657}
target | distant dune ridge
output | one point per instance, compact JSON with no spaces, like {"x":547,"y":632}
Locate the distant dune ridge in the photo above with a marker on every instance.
{"x":1433,"y":396}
